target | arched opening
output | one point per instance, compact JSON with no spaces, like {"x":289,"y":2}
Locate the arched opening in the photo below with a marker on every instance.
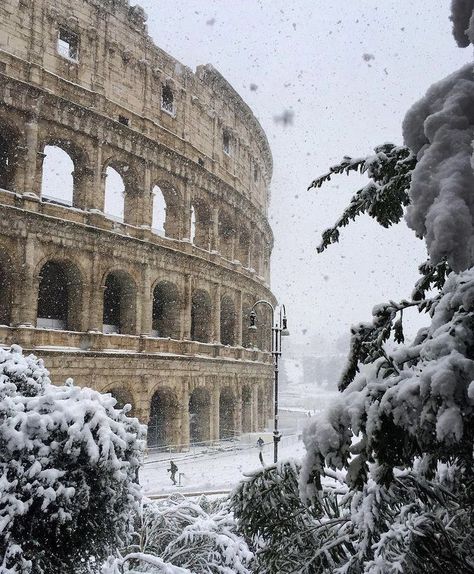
{"x":164,"y":419}
{"x":243,"y":248}
{"x":226,"y":236}
{"x":6,"y":290}
{"x":8,"y":158}
{"x":166,"y":308}
{"x":159,"y":212}
{"x":227,"y":321}
{"x":167,"y":209}
{"x":114,"y":197}
{"x":201,"y":316}
{"x":123,"y":397}
{"x":199,"y":416}
{"x":226,"y":414}
{"x":167,"y":99}
{"x":202,"y":225}
{"x":246,"y":409}
{"x":119,"y":315}
{"x":59,"y":297}
{"x":57,"y":184}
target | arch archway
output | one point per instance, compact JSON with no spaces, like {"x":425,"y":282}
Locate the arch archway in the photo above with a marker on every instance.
{"x":227,"y":321}
{"x":166,"y":309}
{"x":199,"y":416}
{"x":119,"y":312}
{"x":9,"y":152}
{"x":246,"y":409}
{"x":59,"y":296}
{"x":159,"y":209}
{"x":202,"y":224}
{"x":226,"y":235}
{"x":57,"y":183}
{"x":226,"y":414}
{"x":114,"y":194}
{"x":168,"y":199}
{"x":201,"y":316}
{"x":163,"y":425}
{"x":6,"y":290}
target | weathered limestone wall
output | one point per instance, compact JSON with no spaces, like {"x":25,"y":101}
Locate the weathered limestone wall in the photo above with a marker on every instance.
{"x":103,"y":106}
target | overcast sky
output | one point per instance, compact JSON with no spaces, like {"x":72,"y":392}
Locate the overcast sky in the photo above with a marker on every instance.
{"x":349,"y":71}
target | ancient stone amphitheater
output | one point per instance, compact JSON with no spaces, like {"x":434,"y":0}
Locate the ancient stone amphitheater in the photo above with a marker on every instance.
{"x":135,"y":273}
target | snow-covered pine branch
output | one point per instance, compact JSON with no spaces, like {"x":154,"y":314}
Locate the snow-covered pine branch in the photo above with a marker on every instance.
{"x":383,"y":198}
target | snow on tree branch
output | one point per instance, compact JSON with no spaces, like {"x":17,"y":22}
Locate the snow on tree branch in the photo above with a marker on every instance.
{"x":462,"y":16}
{"x":383,"y":198}
{"x":440,"y":130}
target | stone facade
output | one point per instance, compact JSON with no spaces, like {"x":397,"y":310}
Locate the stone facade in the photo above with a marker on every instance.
{"x":159,"y":321}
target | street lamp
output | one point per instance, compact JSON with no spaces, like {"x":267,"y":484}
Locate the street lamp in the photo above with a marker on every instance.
{"x":279,"y":330}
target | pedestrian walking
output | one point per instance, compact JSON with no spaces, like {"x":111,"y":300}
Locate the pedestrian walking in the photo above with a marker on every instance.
{"x":260,"y":443}
{"x":173,"y":469}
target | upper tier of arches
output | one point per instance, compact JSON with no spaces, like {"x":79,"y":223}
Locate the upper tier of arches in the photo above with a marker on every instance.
{"x":97,"y":55}
{"x":67,"y":169}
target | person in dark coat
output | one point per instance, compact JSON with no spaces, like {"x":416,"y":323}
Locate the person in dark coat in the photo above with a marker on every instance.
{"x":173,"y":469}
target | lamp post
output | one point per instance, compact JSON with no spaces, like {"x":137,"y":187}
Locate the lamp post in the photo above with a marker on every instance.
{"x":279,"y":330}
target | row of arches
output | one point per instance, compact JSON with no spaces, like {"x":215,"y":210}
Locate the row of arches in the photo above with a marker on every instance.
{"x":60,"y":306}
{"x":166,"y":414}
{"x":63,"y":177}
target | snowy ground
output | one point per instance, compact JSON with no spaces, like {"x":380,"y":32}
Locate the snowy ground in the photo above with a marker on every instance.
{"x":212,"y":470}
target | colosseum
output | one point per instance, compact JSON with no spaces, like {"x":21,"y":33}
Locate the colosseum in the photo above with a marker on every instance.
{"x":135,"y":273}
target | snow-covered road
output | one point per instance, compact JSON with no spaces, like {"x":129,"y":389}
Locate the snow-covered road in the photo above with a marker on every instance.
{"x":212,"y":471}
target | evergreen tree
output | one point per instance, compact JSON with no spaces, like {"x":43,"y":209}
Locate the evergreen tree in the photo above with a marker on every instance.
{"x":400,"y":436}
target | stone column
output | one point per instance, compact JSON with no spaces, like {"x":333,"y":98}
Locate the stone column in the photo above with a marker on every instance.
{"x":254,"y":409}
{"x":238,"y":408}
{"x":214,"y":413}
{"x":96,"y":297}
{"x":29,"y":184}
{"x":184,"y":402}
{"x":145,"y":304}
{"x":186,"y":308}
{"x":28,"y":303}
{"x":215,"y":229}
{"x":147,"y":202}
{"x":216,"y":314}
{"x":96,"y":193}
{"x":238,"y":319}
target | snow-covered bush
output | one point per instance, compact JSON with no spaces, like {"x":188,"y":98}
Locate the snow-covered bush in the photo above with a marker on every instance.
{"x":68,"y":467}
{"x":179,"y":536}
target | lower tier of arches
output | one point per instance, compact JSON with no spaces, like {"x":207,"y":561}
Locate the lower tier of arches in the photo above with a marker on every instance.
{"x":182,"y":400}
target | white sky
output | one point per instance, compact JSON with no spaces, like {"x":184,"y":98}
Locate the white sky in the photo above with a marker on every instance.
{"x":307,"y":56}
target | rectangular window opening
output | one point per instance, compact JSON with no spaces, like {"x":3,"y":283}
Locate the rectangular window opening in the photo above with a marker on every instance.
{"x":124,"y":120}
{"x":226,"y":143}
{"x":167,"y":99}
{"x":68,"y":45}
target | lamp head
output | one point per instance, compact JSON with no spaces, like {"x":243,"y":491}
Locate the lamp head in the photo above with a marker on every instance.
{"x":284,"y":330}
{"x":253,"y":321}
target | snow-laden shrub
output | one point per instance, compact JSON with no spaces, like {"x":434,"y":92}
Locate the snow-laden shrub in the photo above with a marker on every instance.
{"x":179,"y":536}
{"x":68,"y":467}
